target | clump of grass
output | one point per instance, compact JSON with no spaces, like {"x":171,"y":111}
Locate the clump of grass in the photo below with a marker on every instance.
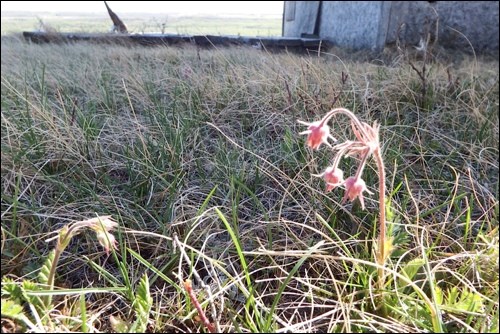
{"x":202,"y":143}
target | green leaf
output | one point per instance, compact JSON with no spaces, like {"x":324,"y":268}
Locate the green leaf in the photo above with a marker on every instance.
{"x":43,"y":276}
{"x":83,"y":310}
{"x":27,"y":287}
{"x":12,"y":309}
{"x":142,"y":305}
{"x":470,"y":302}
{"x":464,"y":301}
{"x":144,"y":299}
{"x":118,"y":325}
{"x":439,"y":295}
{"x":410,"y":270}
{"x":11,"y":289}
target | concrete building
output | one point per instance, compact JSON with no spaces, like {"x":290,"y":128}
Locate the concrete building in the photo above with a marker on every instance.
{"x":373,"y":24}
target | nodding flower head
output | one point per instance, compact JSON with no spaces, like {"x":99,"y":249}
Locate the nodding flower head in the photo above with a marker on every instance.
{"x":100,"y":223}
{"x":102,"y":226}
{"x":369,"y":136}
{"x":333,"y":177}
{"x":317,"y":133}
{"x":354,"y":188}
{"x":107,"y":240}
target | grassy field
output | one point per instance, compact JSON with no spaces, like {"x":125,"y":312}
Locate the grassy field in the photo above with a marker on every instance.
{"x":13,"y":22}
{"x":196,"y":155}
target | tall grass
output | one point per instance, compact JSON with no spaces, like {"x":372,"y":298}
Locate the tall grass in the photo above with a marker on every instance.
{"x":201,"y":145}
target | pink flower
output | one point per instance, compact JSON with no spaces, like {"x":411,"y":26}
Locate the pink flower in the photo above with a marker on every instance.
{"x":333,"y":177}
{"x":318,"y":133}
{"x":107,"y":240}
{"x":354,"y":189}
{"x":368,"y":136}
{"x":102,"y":222}
{"x":102,"y":226}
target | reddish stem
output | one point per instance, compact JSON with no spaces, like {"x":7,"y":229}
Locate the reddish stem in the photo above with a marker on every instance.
{"x":201,"y":313}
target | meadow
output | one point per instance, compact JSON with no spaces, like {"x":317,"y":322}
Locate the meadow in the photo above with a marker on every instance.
{"x":222,"y":224}
{"x":262,"y":25}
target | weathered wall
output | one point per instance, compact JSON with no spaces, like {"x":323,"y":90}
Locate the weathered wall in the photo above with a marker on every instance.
{"x":356,"y":24}
{"x":409,"y":20}
{"x":372,"y":24}
{"x":459,"y":24}
{"x":300,"y":18}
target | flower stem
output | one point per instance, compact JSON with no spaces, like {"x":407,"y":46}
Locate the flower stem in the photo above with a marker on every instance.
{"x":346,"y":112}
{"x":382,"y":233}
{"x":52,"y":274}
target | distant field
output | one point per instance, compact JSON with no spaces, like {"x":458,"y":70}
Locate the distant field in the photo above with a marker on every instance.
{"x":144,"y":23}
